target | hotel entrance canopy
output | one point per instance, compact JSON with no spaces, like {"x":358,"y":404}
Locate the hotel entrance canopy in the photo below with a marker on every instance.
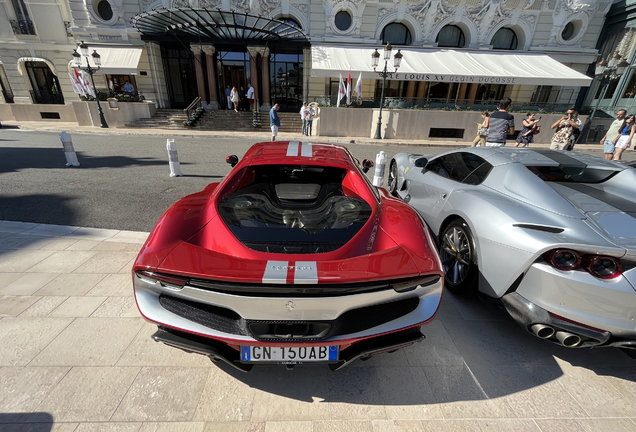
{"x":215,"y":26}
{"x":445,"y":65}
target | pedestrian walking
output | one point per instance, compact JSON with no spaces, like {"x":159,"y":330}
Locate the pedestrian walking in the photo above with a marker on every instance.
{"x":310,"y":112}
{"x":274,"y":121}
{"x":303,"y":111}
{"x":612,"y":133}
{"x":228,"y":92}
{"x":526,"y":136}
{"x":624,"y":140}
{"x":564,"y":129}
{"x":250,"y":96}
{"x":501,"y":124}
{"x":234,"y":97}
{"x":482,"y":130}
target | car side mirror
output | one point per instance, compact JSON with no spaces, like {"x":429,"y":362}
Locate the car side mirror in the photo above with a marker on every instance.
{"x":421,"y":162}
{"x":232,"y":160}
{"x":367,"y":165}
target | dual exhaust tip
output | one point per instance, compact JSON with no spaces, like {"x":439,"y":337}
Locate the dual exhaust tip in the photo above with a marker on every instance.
{"x":566,"y":339}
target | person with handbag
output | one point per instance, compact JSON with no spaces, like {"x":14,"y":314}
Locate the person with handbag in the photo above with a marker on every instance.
{"x":482,"y":130}
{"x":526,"y":136}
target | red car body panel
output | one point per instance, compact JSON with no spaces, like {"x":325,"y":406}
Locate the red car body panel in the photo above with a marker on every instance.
{"x":191,"y":238}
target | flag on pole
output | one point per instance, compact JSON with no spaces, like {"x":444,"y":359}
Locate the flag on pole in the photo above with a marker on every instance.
{"x":349,"y":89}
{"x":341,"y":91}
{"x":88,"y":88}
{"x":77,"y":87}
{"x":358,"y":88}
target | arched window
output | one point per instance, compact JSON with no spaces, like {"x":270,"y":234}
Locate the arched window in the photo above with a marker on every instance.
{"x":505,"y":39}
{"x":397,"y":34}
{"x":451,"y":36}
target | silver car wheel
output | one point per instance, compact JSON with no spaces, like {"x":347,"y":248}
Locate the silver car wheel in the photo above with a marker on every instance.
{"x":456,"y":253}
{"x":393,"y":179}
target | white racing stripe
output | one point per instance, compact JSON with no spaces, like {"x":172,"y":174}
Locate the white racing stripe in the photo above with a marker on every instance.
{"x":306,"y":150}
{"x":305,"y":272}
{"x":275,"y":272}
{"x":292,"y":148}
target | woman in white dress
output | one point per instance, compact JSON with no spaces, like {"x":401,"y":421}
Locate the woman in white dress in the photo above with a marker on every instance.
{"x":234,"y":97}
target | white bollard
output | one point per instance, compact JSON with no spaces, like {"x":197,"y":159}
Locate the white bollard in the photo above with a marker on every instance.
{"x":69,"y":151}
{"x":175,"y":166}
{"x":380,"y":163}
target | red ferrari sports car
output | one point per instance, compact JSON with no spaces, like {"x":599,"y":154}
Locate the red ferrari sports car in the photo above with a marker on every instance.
{"x":295,"y":257}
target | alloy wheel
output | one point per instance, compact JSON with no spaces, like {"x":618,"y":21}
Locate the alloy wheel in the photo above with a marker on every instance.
{"x":456,"y":255}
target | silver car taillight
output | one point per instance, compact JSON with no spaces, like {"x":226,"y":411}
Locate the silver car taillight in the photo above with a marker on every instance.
{"x":563,"y":259}
{"x":602,"y":267}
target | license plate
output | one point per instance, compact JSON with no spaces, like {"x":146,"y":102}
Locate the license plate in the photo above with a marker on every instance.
{"x":289,"y":354}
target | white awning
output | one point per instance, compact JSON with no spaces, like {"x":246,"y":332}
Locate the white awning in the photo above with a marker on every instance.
{"x":447,"y":66}
{"x":118,"y":61}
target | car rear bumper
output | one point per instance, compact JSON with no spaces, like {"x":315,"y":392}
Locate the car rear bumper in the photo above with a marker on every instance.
{"x":528,"y":315}
{"x":229,"y":318}
{"x":218,"y":351}
{"x":609,"y":305}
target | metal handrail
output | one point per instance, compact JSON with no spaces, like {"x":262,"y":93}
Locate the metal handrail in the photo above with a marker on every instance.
{"x":195,"y":103}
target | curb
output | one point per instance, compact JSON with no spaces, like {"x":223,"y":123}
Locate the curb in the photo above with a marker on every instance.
{"x":263,"y":136}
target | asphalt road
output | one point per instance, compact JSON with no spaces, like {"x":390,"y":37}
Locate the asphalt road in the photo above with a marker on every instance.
{"x":123,"y":182}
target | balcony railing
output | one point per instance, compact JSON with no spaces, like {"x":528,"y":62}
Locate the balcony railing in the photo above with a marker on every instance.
{"x":8,"y":95}
{"x":22,"y":27}
{"x":445,"y":104}
{"x":46,"y":97}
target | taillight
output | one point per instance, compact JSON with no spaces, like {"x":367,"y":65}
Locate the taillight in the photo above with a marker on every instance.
{"x":166,"y":280}
{"x":564,"y":259}
{"x":603,"y":267}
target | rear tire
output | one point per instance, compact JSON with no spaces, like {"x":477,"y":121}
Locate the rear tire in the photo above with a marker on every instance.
{"x":459,"y":258}
{"x":393,"y":179}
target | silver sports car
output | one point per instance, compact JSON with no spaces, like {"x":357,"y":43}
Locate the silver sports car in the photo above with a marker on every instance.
{"x":549,"y":236}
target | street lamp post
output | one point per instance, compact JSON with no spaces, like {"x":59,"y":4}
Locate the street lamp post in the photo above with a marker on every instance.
{"x":605,"y":73}
{"x":375,"y":58}
{"x":97,"y":61}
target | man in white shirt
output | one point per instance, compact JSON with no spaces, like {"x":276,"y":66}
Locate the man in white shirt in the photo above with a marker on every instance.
{"x":250,"y":95}
{"x":303,"y":114}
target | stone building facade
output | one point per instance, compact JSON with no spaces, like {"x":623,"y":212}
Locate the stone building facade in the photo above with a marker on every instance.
{"x":37,"y":38}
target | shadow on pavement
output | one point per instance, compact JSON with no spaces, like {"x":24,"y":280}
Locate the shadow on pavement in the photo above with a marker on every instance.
{"x":40,"y":208}
{"x":472,"y":353}
{"x":18,"y":422}
{"x":19,"y":158}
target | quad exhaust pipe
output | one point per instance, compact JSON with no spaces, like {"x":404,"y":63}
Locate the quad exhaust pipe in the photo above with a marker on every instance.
{"x":542,"y":331}
{"x":568,"y":339}
{"x":545,"y":331}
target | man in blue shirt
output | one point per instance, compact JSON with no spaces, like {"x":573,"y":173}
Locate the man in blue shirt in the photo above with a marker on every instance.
{"x":501,"y":124}
{"x":274,"y":121}
{"x":228,"y":92}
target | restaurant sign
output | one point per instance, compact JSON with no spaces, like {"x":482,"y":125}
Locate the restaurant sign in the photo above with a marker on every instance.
{"x":470,"y":79}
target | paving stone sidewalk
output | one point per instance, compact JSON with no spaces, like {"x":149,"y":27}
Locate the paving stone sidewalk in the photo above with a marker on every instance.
{"x":75,"y":355}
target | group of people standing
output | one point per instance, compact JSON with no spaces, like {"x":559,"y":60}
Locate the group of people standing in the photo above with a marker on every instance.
{"x":495,"y":127}
{"x":619,"y":136}
{"x":307,"y":114}
{"x":240,"y":100}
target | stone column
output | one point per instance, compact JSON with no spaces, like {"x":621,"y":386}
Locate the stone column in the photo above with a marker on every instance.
{"x":265,"y":67}
{"x":213,"y":103}
{"x":253,"y":52}
{"x":199,"y":71}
